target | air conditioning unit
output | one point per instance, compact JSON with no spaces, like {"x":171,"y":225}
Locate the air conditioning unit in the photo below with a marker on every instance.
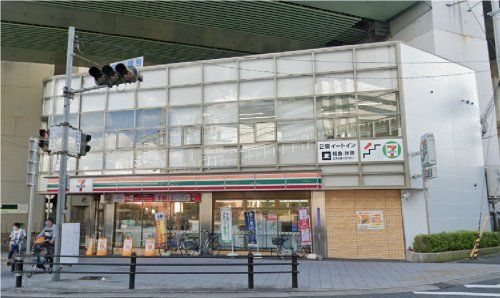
{"x":493,"y":179}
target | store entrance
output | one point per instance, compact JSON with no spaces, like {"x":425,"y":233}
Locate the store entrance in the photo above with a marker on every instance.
{"x":276,"y":214}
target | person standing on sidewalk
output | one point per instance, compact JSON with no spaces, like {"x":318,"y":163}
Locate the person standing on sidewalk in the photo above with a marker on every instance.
{"x":16,"y":241}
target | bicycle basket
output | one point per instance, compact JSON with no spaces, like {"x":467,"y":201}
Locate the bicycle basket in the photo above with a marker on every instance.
{"x":278,"y":241}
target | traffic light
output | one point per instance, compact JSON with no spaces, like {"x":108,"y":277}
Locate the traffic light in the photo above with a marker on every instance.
{"x":84,"y":148}
{"x":43,"y":140}
{"x":107,"y":76}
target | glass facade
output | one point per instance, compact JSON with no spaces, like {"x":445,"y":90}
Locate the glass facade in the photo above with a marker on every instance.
{"x":226,"y":116}
{"x":137,"y":220}
{"x":276,"y":214}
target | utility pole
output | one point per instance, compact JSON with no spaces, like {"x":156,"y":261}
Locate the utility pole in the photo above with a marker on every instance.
{"x":63,"y":176}
{"x":31,"y":182}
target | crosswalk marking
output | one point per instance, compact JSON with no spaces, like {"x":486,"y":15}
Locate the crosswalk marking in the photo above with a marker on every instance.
{"x":459,"y":294}
{"x":497,"y":286}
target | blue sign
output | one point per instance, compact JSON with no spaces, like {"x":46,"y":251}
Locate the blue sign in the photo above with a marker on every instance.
{"x":135,"y":62}
{"x":250,"y":227}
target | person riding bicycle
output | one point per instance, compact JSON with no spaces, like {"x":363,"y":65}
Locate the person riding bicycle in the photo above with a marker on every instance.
{"x":16,"y":241}
{"x":45,"y":240}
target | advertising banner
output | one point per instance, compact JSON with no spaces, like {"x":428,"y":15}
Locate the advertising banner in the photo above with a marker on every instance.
{"x":102,"y":247}
{"x":304,"y":226}
{"x":127,"y":247}
{"x":337,"y":151}
{"x":161,"y":228}
{"x":250,"y":227}
{"x":149,"y":248}
{"x":170,"y":197}
{"x":370,"y":220}
{"x":381,"y":150}
{"x":226,"y":224}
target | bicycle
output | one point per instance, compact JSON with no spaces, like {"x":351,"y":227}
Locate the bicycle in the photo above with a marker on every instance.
{"x":279,"y":242}
{"x":191,"y":246}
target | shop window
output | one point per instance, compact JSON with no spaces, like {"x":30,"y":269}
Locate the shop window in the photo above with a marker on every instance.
{"x":149,"y":118}
{"x":92,"y":102}
{"x":185,"y":158}
{"x":333,"y":61}
{"x":294,"y":108}
{"x":256,"y":110}
{"x":153,"y":78}
{"x":220,"y":156}
{"x":219,"y":92}
{"x":151,"y":98}
{"x":185,"y":136}
{"x":184,"y":95}
{"x":220,"y":134}
{"x":257,"y":132}
{"x":117,"y":160}
{"x":91,"y":161}
{"x":184,"y":116}
{"x":183,"y":75}
{"x":97,"y":141}
{"x":379,"y":126}
{"x":335,"y":106}
{"x":378,"y":103}
{"x":92,"y":122}
{"x":260,"y":203}
{"x":128,"y":223}
{"x":121,"y":100}
{"x":335,"y":83}
{"x":256,"y":89}
{"x":297,"y":64}
{"x":372,"y":80}
{"x":337,"y":128}
{"x":292,"y":203}
{"x":120,"y":120}
{"x":218,"y":72}
{"x":297,"y":153}
{"x":150,"y":159}
{"x":256,"y":68}
{"x":296,"y":86}
{"x":220,"y":113}
{"x":295,"y":131}
{"x":149,"y":138}
{"x":258,"y":154}
{"x":373,"y":57}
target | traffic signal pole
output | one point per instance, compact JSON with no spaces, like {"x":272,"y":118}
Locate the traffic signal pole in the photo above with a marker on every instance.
{"x":63,"y":176}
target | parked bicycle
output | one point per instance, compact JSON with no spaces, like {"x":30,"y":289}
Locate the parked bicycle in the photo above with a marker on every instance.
{"x":280,"y":249}
{"x":191,"y":246}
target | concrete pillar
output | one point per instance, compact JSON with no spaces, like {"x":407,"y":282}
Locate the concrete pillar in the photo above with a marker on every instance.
{"x":318,"y":223}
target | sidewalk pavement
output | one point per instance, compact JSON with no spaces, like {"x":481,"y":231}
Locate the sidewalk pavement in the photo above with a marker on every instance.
{"x":314,"y":275}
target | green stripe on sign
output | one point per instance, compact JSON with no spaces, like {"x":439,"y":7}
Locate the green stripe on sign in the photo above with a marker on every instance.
{"x":218,"y":182}
{"x":302,"y":180}
{"x":239,"y":182}
{"x":270,"y":181}
{"x":181,"y":183}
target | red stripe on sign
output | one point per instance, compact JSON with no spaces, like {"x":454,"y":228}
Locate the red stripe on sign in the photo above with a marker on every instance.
{"x":240,"y":187}
{"x":313,"y":186}
{"x":270,"y":187}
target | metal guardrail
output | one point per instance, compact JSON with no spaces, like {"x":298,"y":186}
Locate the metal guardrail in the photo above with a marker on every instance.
{"x":132,"y":272}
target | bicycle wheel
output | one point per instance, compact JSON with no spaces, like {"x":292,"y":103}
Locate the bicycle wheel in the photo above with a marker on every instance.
{"x":189,"y":248}
{"x":213,"y":248}
{"x":300,"y":251}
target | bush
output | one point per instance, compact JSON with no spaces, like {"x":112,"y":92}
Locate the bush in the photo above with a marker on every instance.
{"x":452,"y":241}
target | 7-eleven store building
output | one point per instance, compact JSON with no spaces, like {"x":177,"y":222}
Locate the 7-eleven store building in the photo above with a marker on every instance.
{"x":334,"y":130}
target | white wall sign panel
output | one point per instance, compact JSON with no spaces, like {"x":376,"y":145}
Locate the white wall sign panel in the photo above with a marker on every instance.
{"x":337,"y":151}
{"x":381,"y":150}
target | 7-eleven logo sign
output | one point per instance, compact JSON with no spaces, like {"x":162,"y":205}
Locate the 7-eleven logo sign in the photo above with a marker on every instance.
{"x":391,"y":149}
{"x":81,"y":185}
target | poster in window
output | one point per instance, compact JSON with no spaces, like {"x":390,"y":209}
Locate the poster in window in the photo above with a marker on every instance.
{"x":161,"y":228}
{"x":370,"y":220}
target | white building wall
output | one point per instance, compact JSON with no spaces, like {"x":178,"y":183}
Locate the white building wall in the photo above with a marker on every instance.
{"x":433,"y":104}
{"x":456,"y":34}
